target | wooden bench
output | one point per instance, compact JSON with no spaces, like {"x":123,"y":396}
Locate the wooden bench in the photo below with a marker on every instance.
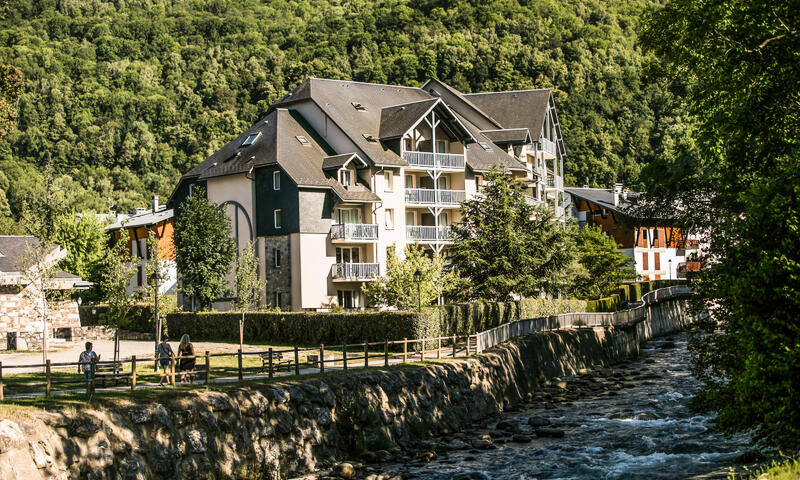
{"x":278,"y":363}
{"x":110,"y":371}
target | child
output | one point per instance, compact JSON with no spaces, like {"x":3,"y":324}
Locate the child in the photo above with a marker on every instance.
{"x":163,"y":353}
{"x":85,"y":362}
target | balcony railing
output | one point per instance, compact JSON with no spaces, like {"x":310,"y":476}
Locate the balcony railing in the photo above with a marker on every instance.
{"x":554,"y":181}
{"x":548,"y":146}
{"x":429,"y":196}
{"x":355,"y":271}
{"x":416,"y":233}
{"x":354,"y":231}
{"x":453,"y":161}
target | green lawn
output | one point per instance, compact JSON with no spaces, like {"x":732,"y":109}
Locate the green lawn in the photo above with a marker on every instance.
{"x":789,"y":470}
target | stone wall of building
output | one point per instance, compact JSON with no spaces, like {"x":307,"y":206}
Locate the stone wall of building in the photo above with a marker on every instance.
{"x":18,"y":314}
{"x":279,"y":279}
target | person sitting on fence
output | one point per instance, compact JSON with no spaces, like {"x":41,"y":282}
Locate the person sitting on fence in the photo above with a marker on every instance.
{"x":164,"y":353}
{"x":187,"y":359}
{"x":85,"y":362}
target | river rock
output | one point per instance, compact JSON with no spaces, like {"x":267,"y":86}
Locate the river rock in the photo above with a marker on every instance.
{"x":507,"y":426}
{"x":139,"y":416}
{"x":645,"y":416}
{"x":471,"y":476}
{"x":344,"y":470}
{"x":518,"y":438}
{"x":549,"y":432}
{"x":483,"y":444}
{"x":538,"y":422}
{"x":667,"y":345}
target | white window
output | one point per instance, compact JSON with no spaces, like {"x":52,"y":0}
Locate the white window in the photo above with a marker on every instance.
{"x":346,"y":177}
{"x":276,"y":217}
{"x":442,"y":181}
{"x":276,"y":257}
{"x":409,"y":181}
{"x":388,"y":178}
{"x":348,"y":215}
{"x":409,"y":218}
{"x":389,"y":218}
{"x":444,"y":219}
{"x":441,"y":146}
{"x":478,"y":182}
{"x":348,"y":254}
{"x":276,"y":180}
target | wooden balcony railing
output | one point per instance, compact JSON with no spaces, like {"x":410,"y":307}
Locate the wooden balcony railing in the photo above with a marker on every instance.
{"x":430,"y":160}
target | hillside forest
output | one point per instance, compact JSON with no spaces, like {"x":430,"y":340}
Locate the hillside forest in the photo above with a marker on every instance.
{"x":121,"y":97}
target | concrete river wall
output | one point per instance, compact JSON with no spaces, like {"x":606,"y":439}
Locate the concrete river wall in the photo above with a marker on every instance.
{"x":283,"y":429}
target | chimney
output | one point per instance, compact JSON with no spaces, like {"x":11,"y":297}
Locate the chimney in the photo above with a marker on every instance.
{"x":155,"y":203}
{"x":617,"y":192}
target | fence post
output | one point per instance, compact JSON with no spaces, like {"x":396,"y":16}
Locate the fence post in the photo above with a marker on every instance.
{"x":133,"y":372}
{"x":92,"y":370}
{"x":454,"y":346}
{"x":296,"y":361}
{"x":239,"y":359}
{"x":47,"y":377}
{"x":366,"y":354}
{"x":1,"y":380}
{"x":405,"y":350}
{"x":172,"y":370}
{"x":422,"y":350}
{"x":269,"y":367}
{"x":344,"y":357}
{"x":438,"y":348}
{"x":468,"y":339}
{"x":322,"y":358}
{"x":208,"y":367}
{"x":386,"y":353}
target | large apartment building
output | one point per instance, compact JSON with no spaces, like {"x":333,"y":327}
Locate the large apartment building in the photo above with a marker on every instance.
{"x":339,"y":173}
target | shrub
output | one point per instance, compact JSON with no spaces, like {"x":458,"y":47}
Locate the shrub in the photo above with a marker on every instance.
{"x":140,"y":318}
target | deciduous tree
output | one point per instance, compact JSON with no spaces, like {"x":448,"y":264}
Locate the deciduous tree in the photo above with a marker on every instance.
{"x":606,"y":267}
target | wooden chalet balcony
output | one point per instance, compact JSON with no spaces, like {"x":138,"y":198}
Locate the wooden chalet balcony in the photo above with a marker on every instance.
{"x":354,"y":272}
{"x":434,"y":161}
{"x":417,"y":233}
{"x":354,"y":232}
{"x":429,"y":196}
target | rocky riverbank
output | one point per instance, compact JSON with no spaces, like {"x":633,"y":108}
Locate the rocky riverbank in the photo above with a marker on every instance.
{"x":285,"y":429}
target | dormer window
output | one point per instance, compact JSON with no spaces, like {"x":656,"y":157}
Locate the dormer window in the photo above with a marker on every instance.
{"x":359,"y":107}
{"x":250,"y":139}
{"x":346,"y":177}
{"x":303,"y":140}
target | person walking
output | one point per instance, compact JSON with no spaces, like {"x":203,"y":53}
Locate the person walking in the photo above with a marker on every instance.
{"x":85,"y":362}
{"x":163,"y":354}
{"x":187,"y":359}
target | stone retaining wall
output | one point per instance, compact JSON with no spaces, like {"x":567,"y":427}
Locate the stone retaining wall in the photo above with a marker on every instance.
{"x":271,"y":431}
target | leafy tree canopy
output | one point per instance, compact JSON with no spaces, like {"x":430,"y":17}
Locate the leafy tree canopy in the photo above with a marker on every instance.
{"x":86,"y":243}
{"x":605,"y":265}
{"x":742,"y":191}
{"x":399,"y":287}
{"x":204,"y":249}
{"x":505,"y":246}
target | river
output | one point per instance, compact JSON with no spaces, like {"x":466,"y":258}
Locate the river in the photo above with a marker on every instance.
{"x":629,"y":422}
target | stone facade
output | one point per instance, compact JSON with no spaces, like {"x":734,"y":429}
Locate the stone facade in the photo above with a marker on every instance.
{"x":17,"y":314}
{"x":279,"y":278}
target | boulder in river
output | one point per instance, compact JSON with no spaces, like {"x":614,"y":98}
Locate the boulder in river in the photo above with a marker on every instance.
{"x":471,"y":476}
{"x":549,"y":432}
{"x":536,"y":421}
{"x":345,"y":470}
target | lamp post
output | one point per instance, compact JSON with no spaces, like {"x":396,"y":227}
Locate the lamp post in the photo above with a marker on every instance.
{"x":670,"y":269}
{"x":418,"y":279}
{"x":155,"y":281}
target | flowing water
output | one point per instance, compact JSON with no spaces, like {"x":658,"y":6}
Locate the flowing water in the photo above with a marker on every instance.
{"x":629,"y":422}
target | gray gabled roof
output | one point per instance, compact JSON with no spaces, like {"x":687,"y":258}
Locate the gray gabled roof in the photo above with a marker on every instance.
{"x":143,"y":220}
{"x":13,"y":249}
{"x":604,"y":197}
{"x":338,"y":161}
{"x":515,"y":109}
{"x":396,"y":120}
{"x":508,"y":136}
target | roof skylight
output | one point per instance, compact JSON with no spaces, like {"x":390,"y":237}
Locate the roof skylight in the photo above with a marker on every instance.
{"x":250,"y":139}
{"x":485,"y":146}
{"x":359,"y":107}
{"x":303,"y":140}
{"x":369,"y":137}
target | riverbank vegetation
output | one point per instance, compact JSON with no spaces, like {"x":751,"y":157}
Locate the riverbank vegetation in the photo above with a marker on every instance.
{"x":740,"y":189}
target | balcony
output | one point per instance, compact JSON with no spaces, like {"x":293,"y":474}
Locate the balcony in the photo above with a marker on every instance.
{"x":429,"y":196}
{"x":548,"y":146}
{"x":554,"y":182}
{"x":354,"y":232}
{"x":415,"y":233}
{"x":434,"y":161}
{"x":355,"y":272}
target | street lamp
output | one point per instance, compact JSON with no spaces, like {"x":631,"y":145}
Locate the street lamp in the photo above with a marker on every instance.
{"x":418,"y":279}
{"x":155,"y":281}
{"x":670,"y":269}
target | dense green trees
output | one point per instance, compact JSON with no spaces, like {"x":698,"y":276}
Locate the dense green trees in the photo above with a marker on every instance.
{"x":742,"y":190}
{"x":604,"y":266}
{"x":125,"y":96}
{"x":204,"y":249}
{"x":505,"y":246}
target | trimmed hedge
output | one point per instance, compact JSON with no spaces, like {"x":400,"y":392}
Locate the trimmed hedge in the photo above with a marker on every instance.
{"x":140,"y":318}
{"x":314,"y":328}
{"x":310,"y":328}
{"x":628,"y":293}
